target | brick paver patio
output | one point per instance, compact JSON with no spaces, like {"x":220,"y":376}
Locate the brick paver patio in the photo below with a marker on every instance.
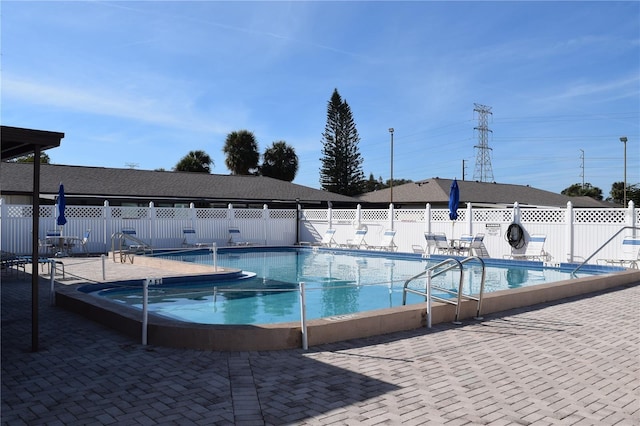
{"x":574,"y":362}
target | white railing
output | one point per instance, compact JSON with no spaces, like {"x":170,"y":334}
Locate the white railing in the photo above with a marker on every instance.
{"x":572,"y":234}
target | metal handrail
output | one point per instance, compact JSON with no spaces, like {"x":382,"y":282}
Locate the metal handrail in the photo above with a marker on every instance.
{"x":121,"y":237}
{"x":427,"y":293}
{"x":603,"y":245}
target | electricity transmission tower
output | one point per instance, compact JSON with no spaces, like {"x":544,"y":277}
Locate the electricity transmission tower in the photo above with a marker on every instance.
{"x":483,"y":171}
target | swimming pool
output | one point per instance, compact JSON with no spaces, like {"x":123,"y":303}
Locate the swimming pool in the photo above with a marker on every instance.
{"x":339,"y":283}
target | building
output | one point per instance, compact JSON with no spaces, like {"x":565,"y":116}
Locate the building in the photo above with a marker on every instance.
{"x":435,"y":191}
{"x":128,"y":187}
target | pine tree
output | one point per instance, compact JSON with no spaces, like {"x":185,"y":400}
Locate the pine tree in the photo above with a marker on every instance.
{"x":341,"y":170}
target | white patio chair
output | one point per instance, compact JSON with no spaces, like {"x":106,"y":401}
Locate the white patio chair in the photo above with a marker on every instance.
{"x":630,"y":253}
{"x":327,"y":238}
{"x":235,"y":238}
{"x":471,"y":245}
{"x":386,"y":243}
{"x":441,"y":244}
{"x":357,"y":241}
{"x":82,"y":242}
{"x":535,"y":249}
{"x":190,"y":238}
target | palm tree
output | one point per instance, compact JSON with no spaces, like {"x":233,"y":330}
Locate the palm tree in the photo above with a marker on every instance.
{"x":280,"y":162}
{"x":242,"y":154}
{"x":195,"y":161}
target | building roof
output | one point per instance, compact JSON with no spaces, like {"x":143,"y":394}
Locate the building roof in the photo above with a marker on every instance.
{"x":130,"y":184}
{"x":436,"y":192}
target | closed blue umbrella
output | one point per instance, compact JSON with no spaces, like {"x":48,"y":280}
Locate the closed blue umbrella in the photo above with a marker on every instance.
{"x":62,"y":204}
{"x":454,"y":200}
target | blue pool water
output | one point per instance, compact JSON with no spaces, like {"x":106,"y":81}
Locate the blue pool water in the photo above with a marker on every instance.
{"x":337,"y":283}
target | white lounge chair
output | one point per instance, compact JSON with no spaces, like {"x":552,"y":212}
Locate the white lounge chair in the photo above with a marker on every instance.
{"x":190,"y":238}
{"x":386,"y":243}
{"x":534,"y":251}
{"x":235,"y":239}
{"x":630,"y":253}
{"x":327,"y":239}
{"x":357,"y":241}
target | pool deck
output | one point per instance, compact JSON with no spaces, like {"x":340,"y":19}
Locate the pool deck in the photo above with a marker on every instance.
{"x":570,"y":362}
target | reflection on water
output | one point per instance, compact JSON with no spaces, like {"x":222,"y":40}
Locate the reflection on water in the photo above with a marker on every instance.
{"x":516,"y":277}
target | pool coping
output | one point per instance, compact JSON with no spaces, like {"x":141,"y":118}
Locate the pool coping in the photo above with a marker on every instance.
{"x":162,"y":331}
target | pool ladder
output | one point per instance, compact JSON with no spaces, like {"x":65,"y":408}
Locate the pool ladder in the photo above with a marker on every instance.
{"x":439,"y":269}
{"x":126,"y":251}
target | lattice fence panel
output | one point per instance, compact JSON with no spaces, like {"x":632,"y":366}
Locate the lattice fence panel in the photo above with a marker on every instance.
{"x":248,"y":213}
{"x":490,"y":215}
{"x":172,"y":213}
{"x":440,"y":215}
{"x":374,"y":215}
{"x":409,"y":215}
{"x":343,"y":215}
{"x":316,"y":215}
{"x":83,"y":212}
{"x":542,"y":216}
{"x":26,"y":211}
{"x":212,"y":213}
{"x":282,"y":214}
{"x":44,"y":211}
{"x":130,"y":212}
{"x":600,"y":216}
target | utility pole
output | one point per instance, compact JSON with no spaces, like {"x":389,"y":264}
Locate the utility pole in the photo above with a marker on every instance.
{"x":483,"y":171}
{"x":391,"y":180}
{"x":582,"y":167}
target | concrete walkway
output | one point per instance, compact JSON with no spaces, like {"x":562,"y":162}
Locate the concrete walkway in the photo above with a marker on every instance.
{"x":576,"y":362}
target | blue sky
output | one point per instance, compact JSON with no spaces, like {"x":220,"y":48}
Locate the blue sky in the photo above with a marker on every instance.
{"x":146,"y":82}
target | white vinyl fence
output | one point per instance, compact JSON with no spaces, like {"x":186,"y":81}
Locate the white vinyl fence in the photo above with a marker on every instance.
{"x":572,"y":234}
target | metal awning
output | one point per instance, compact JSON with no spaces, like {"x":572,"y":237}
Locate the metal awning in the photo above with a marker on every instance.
{"x":18,"y":141}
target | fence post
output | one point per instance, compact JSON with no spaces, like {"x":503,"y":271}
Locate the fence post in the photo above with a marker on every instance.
{"x":107,"y":228}
{"x":152,"y":223}
{"x":427,"y":218}
{"x":391,"y":216}
{"x":330,"y":215}
{"x":569,"y":231}
{"x":631,"y":217}
{"x":516,"y":213}
{"x":231,"y":217}
{"x":192,"y":215}
{"x":265,"y":222}
{"x":358,"y":215}
{"x":469,"y":219}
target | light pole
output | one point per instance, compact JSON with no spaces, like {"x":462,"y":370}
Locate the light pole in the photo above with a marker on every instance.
{"x":391,"y":180}
{"x":624,"y":190}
